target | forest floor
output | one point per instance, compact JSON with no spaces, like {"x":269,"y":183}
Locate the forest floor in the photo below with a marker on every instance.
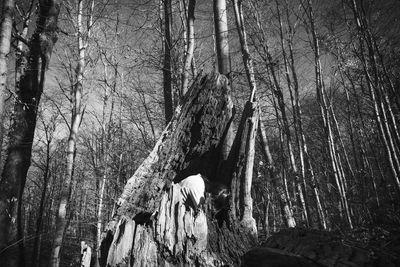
{"x":374,"y":246}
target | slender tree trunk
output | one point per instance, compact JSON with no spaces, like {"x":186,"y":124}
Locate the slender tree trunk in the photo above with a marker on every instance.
{"x":277,"y":90}
{"x":105,"y":147}
{"x":62,"y":220}
{"x":321,"y":96}
{"x":29,"y":89}
{"x":298,"y":113}
{"x":378,"y":96}
{"x":287,"y":213}
{"x":251,"y":122}
{"x":167,"y":69}
{"x":190,"y":46}
{"x":39,"y":221}
{"x":302,"y":187}
{"x":100,"y":215}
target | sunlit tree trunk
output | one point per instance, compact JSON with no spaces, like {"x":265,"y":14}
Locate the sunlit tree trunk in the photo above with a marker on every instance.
{"x":221,"y":36}
{"x":5,"y":41}
{"x":277,"y":90}
{"x":302,"y":147}
{"x":252,"y":121}
{"x":287,"y":213}
{"x":321,"y":96}
{"x":382,"y":108}
{"x":303,"y":150}
{"x":190,"y":46}
{"x":105,"y":147}
{"x":62,"y":211}
{"x":223,"y":67}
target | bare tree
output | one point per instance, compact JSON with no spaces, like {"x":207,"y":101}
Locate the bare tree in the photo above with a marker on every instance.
{"x":335,"y":161}
{"x":77,"y":113}
{"x":49,"y":130}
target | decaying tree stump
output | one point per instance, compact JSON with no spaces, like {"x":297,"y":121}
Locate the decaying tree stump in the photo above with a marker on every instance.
{"x":151,"y":226}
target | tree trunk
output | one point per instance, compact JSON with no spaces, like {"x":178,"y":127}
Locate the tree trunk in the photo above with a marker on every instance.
{"x":321,"y":96}
{"x":190,"y":46}
{"x":223,"y":67}
{"x":29,"y":89}
{"x":221,"y":37}
{"x":278,"y":93}
{"x":5,"y":41}
{"x":39,"y":222}
{"x":62,"y":220}
{"x":243,"y":150}
{"x":287,"y":213}
{"x":379,"y":100}
{"x":167,"y":70}
{"x":152,"y":227}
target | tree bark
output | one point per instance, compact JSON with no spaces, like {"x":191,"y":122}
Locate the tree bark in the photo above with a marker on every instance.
{"x":223,"y":67}
{"x":152,"y":227}
{"x":243,"y":150}
{"x":221,"y":37}
{"x":190,"y":46}
{"x":29,"y":89}
{"x":167,"y":69}
{"x":5,"y":41}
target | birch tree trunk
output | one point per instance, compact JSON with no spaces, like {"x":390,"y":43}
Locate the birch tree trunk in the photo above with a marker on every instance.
{"x":221,"y":36}
{"x":278,"y":93}
{"x":29,"y":89}
{"x":62,"y":220}
{"x":223,"y":67}
{"x":5,"y":41}
{"x":325,"y":114}
{"x":250,"y":114}
{"x":287,"y":213}
{"x":298,"y":113}
{"x":190,"y":46}
{"x":384,"y":117}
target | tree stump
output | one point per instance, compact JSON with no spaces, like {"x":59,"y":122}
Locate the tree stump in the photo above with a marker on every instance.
{"x":151,"y":226}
